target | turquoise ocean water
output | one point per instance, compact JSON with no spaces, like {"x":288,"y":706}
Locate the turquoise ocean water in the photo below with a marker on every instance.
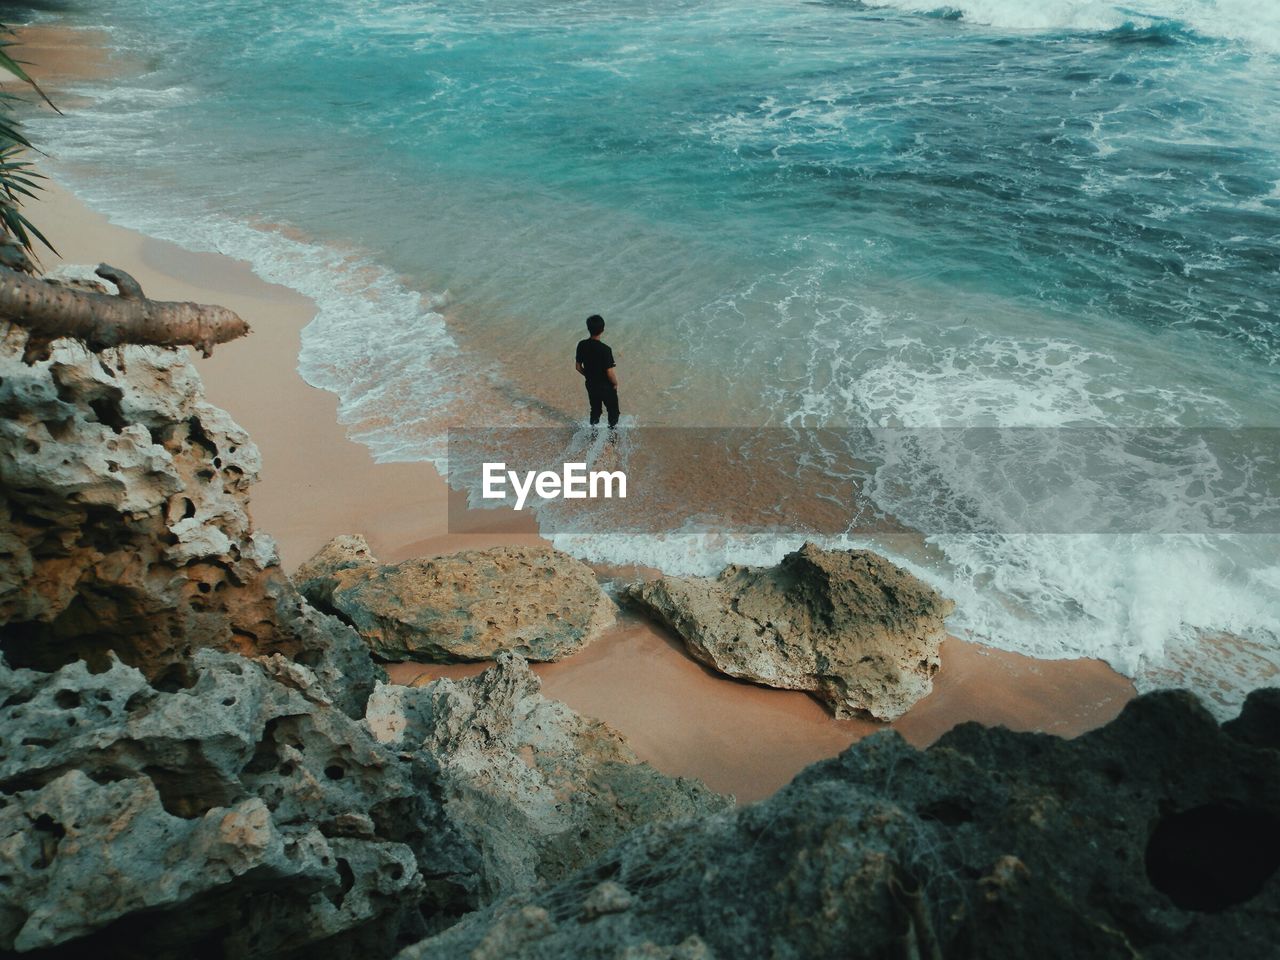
{"x":794,"y":214}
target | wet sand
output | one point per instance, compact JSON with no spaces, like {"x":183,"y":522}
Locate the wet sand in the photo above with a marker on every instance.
{"x":316,"y":484}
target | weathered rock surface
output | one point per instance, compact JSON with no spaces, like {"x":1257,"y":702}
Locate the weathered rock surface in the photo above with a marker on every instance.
{"x":1157,"y":836}
{"x":124,"y":525}
{"x":244,"y":812}
{"x":846,"y":625}
{"x":317,"y":577}
{"x":535,"y":602}
{"x":537,"y":788}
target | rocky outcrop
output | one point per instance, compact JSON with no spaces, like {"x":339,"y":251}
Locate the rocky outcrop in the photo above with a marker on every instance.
{"x":124,"y":525}
{"x":535,"y":787}
{"x":1156,"y":836}
{"x":184,"y":770}
{"x":242,"y":811}
{"x":847,"y":625}
{"x":535,"y":602}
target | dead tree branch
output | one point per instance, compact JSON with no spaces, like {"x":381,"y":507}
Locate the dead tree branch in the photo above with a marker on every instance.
{"x":101,"y":321}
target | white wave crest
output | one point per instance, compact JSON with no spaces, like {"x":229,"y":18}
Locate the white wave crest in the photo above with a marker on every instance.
{"x":1246,"y":21}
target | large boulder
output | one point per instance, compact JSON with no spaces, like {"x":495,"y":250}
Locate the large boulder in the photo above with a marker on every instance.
{"x":124,"y":524}
{"x":1156,"y":836}
{"x":852,"y":628}
{"x":537,"y":788}
{"x":535,"y":602}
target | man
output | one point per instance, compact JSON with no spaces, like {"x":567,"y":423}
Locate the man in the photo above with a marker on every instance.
{"x":594,"y":361}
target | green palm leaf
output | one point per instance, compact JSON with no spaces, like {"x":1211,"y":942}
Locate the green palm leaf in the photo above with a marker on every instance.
{"x":17,"y":178}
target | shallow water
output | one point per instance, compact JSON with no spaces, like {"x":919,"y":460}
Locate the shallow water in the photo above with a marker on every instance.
{"x":794,"y":215}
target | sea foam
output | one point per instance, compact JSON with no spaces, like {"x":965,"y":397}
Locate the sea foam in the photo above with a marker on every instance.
{"x":1247,"y":21}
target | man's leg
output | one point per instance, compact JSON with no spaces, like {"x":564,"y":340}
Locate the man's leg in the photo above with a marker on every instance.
{"x":611,"y":401}
{"x":596,"y":404}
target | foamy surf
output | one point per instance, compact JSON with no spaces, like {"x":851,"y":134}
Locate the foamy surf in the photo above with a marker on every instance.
{"x":355,"y":299}
{"x":1247,"y":21}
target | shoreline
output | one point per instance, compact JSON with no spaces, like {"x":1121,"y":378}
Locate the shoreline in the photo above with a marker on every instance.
{"x":316,"y":483}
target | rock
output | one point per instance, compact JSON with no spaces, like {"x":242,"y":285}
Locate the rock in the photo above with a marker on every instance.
{"x":124,"y":524}
{"x":1158,"y":836}
{"x":1259,"y":720}
{"x":333,"y":652}
{"x":608,"y":897}
{"x":317,"y":578}
{"x":243,"y":811}
{"x":76,"y":832}
{"x":536,"y":602}
{"x":849,"y":626}
{"x":540,"y":790}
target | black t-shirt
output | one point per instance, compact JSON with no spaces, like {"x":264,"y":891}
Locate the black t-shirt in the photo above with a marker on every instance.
{"x":596,"y":358}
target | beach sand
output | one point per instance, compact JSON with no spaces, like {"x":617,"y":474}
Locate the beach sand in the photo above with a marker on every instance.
{"x":316,"y":484}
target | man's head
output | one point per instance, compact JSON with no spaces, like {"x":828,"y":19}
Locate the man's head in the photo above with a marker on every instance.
{"x":595,"y":324}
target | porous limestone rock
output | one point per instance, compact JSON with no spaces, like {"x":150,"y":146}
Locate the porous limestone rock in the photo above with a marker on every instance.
{"x":316,"y":578}
{"x":239,"y":809}
{"x":124,"y":523}
{"x":537,"y":788}
{"x":536,"y":602}
{"x":111,"y":850}
{"x":847,"y":625}
{"x":1157,"y":836}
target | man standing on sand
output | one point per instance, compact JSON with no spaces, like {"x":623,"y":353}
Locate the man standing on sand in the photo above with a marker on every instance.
{"x":594,"y":360}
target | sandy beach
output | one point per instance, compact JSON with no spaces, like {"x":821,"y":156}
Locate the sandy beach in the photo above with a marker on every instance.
{"x":316,"y":484}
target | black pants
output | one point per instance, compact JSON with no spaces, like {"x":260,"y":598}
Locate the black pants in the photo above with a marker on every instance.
{"x":605,"y":396}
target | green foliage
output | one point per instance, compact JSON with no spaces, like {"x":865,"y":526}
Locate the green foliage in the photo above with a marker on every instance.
{"x":17,"y":178}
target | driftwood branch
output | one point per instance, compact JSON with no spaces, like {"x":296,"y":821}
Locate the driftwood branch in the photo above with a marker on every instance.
{"x":101,"y":321}
{"x":129,"y":288}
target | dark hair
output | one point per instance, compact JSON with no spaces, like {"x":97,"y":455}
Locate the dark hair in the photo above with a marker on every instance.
{"x":595,"y":324}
